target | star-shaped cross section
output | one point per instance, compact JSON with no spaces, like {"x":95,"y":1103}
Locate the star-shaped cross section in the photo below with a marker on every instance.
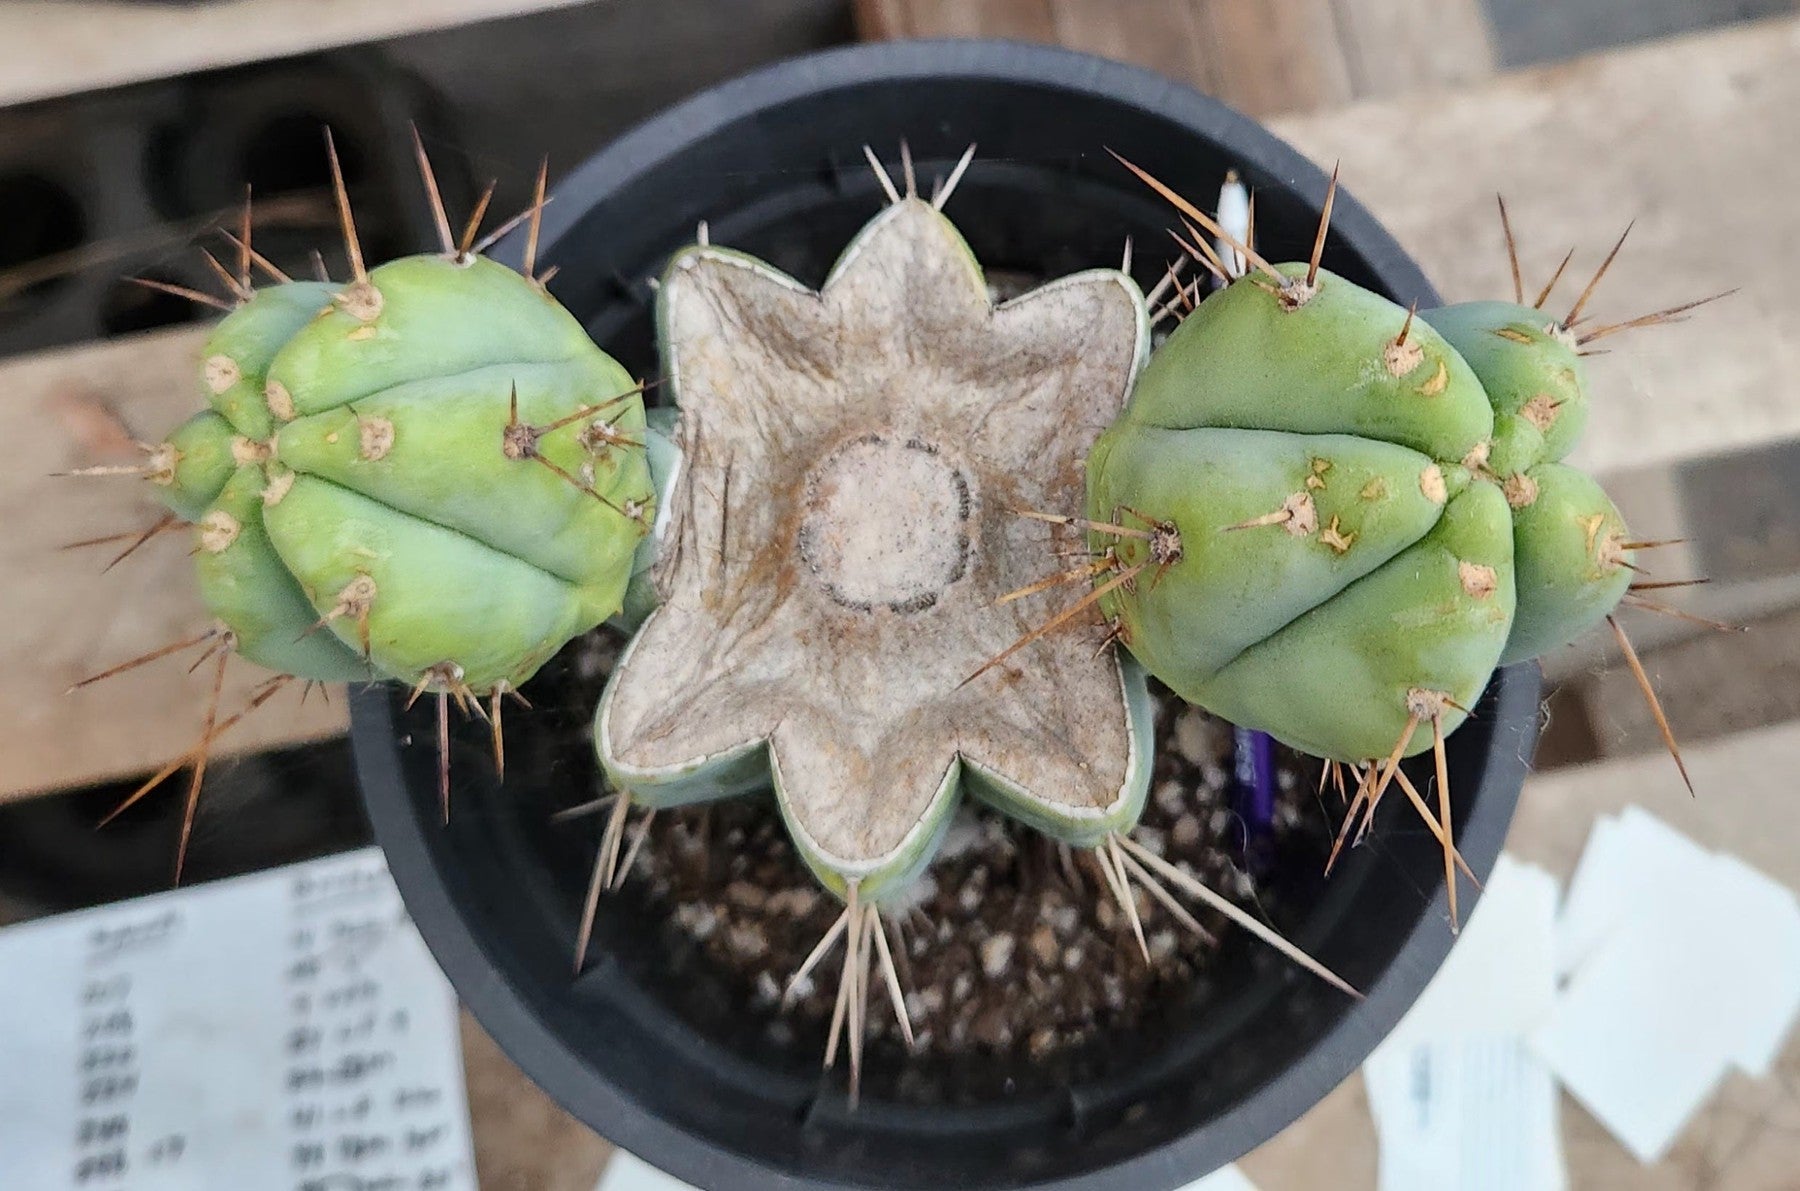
{"x":842,"y":527}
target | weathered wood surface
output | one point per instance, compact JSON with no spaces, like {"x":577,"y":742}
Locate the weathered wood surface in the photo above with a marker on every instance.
{"x":1261,"y":56}
{"x":1694,"y":139}
{"x":62,"y":47}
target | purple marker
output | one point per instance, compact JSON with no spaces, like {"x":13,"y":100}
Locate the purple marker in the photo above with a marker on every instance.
{"x":1253,"y":793}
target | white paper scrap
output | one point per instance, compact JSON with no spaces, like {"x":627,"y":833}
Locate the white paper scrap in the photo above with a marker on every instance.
{"x":1226,"y":1178}
{"x":1499,"y":978}
{"x":1636,"y":1037}
{"x":285,"y":1031}
{"x":1460,"y":1103}
{"x":1467,"y":1114}
{"x":1761,"y":926}
{"x":628,"y":1172}
{"x":1634,"y":862}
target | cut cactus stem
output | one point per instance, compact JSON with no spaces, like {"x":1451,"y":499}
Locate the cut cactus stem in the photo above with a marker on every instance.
{"x":860,"y":519}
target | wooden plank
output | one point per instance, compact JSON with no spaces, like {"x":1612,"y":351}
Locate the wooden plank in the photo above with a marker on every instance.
{"x":1022,"y":20}
{"x":1271,"y":56}
{"x":65,"y":620}
{"x":1692,"y":138}
{"x":1163,"y":36}
{"x":1261,"y":56}
{"x":523,"y":1139}
{"x":62,"y":47}
{"x":1395,"y":46}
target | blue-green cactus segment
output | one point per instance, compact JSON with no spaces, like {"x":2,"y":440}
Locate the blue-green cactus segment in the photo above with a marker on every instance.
{"x":246,"y":586}
{"x":429,"y":597}
{"x":421,"y":317}
{"x":1529,"y":366}
{"x":1314,"y":538}
{"x":1246,"y":360}
{"x":1271,"y":524}
{"x":441,"y":464}
{"x":235,"y":360}
{"x":195,"y":460}
{"x":431,"y":448}
{"x":1339,"y":681}
{"x":1570,"y":558}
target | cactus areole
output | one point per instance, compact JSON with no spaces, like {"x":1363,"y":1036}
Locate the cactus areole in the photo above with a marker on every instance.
{"x":844,"y":521}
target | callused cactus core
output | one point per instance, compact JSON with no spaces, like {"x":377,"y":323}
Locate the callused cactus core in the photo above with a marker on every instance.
{"x":886,"y":524}
{"x":845,"y":521}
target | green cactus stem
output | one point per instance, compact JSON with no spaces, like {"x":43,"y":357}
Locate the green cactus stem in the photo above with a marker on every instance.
{"x":1330,"y":520}
{"x":428,"y":474}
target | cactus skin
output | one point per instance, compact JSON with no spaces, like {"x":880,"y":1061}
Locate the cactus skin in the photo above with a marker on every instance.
{"x":236,"y":358}
{"x":1244,"y":360}
{"x":1570,"y":537}
{"x":1340,"y":680}
{"x":1339,"y":553}
{"x":248,"y":589}
{"x":193,"y":464}
{"x":357,"y":514}
{"x":1531,"y":370}
{"x":1570,"y":559}
{"x":1368,"y":523}
{"x":1258,"y":579}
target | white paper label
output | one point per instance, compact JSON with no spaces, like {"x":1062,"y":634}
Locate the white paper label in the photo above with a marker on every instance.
{"x":286,"y":1031}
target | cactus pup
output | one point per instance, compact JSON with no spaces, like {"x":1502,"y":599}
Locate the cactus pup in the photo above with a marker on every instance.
{"x":428,"y":475}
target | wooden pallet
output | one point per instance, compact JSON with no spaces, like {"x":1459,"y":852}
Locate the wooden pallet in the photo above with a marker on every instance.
{"x":1263,"y":57}
{"x":64,"y":618}
{"x":1689,"y":136}
{"x":64,"y":47}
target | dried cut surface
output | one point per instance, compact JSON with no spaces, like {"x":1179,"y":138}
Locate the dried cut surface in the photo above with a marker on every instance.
{"x":844,"y":523}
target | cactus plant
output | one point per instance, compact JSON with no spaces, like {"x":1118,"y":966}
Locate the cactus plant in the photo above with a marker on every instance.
{"x":1311,"y":511}
{"x":1330,"y":520}
{"x":428,"y":475}
{"x":845,"y":549}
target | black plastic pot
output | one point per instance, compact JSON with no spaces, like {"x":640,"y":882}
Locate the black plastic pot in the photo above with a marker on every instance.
{"x":646,"y":1047}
